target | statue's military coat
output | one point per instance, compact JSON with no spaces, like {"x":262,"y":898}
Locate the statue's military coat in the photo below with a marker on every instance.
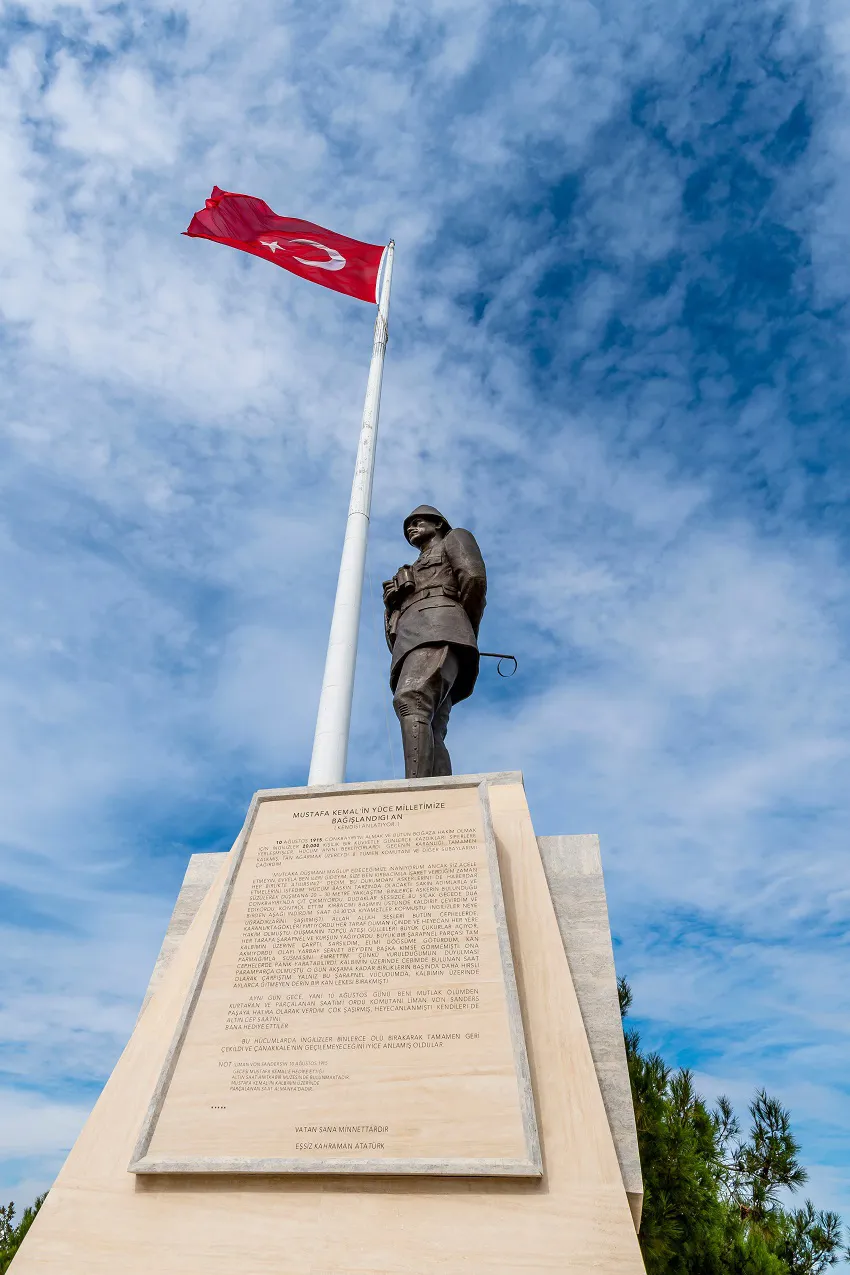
{"x":446,"y":605}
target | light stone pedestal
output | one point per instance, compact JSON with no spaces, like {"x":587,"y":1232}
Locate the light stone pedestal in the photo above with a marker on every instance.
{"x":580,"y":1215}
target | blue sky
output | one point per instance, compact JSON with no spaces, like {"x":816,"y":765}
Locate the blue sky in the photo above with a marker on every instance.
{"x":618,"y":352}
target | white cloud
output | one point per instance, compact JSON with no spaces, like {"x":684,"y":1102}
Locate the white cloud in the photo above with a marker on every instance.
{"x":33,"y":1126}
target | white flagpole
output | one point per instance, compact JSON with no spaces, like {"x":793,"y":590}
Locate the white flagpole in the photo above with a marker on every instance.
{"x":330,"y":743}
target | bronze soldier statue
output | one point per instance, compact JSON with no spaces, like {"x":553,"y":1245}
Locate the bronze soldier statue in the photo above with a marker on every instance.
{"x":432,"y":613}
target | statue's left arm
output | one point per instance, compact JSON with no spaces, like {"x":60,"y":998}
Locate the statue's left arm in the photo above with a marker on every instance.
{"x":390,"y":612}
{"x":470,"y":572}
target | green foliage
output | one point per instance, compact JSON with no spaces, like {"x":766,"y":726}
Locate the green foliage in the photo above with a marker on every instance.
{"x":713,"y":1196}
{"x":808,"y":1240}
{"x":11,"y":1234}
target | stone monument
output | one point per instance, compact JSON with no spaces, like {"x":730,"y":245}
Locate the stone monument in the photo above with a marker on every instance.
{"x":382,"y":1037}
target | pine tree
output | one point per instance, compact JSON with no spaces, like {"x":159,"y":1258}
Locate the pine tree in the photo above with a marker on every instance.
{"x":713,"y":1197}
{"x":11,"y":1235}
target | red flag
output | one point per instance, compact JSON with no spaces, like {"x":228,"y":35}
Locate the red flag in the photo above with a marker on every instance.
{"x":346,"y":265}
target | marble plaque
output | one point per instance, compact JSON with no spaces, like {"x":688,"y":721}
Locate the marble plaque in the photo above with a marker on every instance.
{"x":355,"y":1008}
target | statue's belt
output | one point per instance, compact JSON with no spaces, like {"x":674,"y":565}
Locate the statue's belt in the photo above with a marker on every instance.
{"x":435,"y":591}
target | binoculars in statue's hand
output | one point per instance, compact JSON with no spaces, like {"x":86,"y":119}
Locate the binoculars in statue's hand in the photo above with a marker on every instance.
{"x":398,"y":588}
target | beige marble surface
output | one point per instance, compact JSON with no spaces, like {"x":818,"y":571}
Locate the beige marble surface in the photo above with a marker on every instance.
{"x":199,"y":876}
{"x":573,"y":867}
{"x":100,"y":1219}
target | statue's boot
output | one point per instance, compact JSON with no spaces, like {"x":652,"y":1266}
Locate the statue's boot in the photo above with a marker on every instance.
{"x":442,"y":760}
{"x":418,"y":742}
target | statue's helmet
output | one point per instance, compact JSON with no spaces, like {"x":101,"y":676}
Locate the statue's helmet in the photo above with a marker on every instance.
{"x":426,"y":511}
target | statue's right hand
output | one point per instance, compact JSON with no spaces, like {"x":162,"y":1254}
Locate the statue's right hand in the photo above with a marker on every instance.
{"x":389,"y":590}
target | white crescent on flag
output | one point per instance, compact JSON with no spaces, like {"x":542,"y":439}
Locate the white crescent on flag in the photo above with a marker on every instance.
{"x":335,"y":261}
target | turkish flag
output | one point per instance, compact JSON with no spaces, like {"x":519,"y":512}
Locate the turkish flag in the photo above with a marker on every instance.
{"x":346,"y":265}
